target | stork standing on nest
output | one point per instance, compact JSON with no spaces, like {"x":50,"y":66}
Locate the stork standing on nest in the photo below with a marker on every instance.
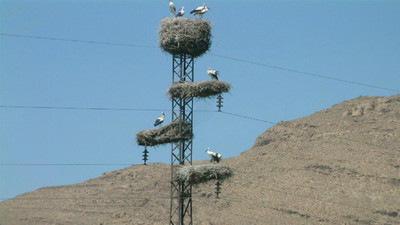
{"x":213,"y":73}
{"x":215,"y":157}
{"x":181,"y":12}
{"x":159,"y":120}
{"x":200,"y":11}
{"x":172,"y":7}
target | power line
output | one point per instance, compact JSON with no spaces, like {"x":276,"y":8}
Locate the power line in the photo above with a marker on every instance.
{"x":158,"y":110}
{"x":77,"y":41}
{"x":248,"y":117}
{"x":85,"y":198}
{"x":79,"y":108}
{"x":216,"y":55}
{"x":65,"y":164}
{"x":305,"y":73}
{"x":123,"y":109}
{"x":233,"y":114}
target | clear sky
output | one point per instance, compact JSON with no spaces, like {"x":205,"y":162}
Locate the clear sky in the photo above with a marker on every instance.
{"x":104,"y":54}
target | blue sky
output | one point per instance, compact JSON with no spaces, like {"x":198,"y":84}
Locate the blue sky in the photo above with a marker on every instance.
{"x":357,"y":41}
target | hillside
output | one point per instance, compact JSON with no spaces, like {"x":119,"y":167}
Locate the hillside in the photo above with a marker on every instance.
{"x":337,"y":166}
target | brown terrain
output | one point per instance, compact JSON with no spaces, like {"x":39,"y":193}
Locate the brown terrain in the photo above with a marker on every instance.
{"x":338,"y":166}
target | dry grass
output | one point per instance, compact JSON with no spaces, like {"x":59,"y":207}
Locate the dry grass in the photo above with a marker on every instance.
{"x":166,"y":134}
{"x":185,"y":36}
{"x":203,"y":173}
{"x":202,"y":89}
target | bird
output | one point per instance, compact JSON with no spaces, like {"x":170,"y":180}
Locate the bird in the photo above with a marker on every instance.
{"x":200,"y":10}
{"x":159,"y":120}
{"x":213,"y":73}
{"x":181,"y":12}
{"x":215,"y":157}
{"x":172,"y":7}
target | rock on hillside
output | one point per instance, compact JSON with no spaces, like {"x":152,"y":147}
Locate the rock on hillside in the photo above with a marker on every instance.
{"x":337,"y":166}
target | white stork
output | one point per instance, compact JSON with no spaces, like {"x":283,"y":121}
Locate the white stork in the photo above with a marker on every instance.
{"x":181,"y":12}
{"x":159,"y":120}
{"x":172,"y":7}
{"x":215,"y":157}
{"x":200,"y":10}
{"x":213,"y":73}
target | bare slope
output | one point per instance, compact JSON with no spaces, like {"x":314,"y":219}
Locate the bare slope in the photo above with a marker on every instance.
{"x":337,"y":166}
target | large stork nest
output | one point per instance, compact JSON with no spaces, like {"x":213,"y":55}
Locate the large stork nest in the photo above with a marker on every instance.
{"x":166,"y":134}
{"x":202,"y":89}
{"x":185,"y":36}
{"x":203,"y":173}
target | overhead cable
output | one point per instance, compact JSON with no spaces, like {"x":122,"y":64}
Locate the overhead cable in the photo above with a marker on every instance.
{"x":216,"y":55}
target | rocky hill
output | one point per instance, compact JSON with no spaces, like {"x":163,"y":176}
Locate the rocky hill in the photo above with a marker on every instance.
{"x":337,"y":166}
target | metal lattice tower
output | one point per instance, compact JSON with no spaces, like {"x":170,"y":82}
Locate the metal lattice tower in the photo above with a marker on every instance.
{"x":181,"y":152}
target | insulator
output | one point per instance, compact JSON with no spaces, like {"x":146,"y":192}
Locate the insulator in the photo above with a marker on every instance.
{"x":217,"y":188}
{"x":145,"y":156}
{"x":219,"y":101}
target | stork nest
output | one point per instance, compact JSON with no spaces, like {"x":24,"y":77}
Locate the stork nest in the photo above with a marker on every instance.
{"x":166,"y":134}
{"x":185,"y":36}
{"x":202,"y":89}
{"x":203,"y":173}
